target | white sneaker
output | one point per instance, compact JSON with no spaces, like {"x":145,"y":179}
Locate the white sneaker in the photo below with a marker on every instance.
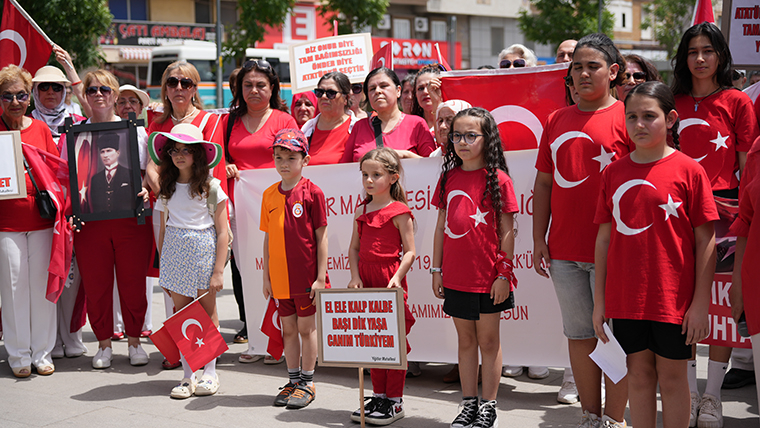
{"x":537,"y":372}
{"x":608,"y":422}
{"x":511,"y":371}
{"x":568,"y":393}
{"x":102,"y":359}
{"x":138,"y":356}
{"x":695,"y":400}
{"x":589,"y":420}
{"x":710,"y":412}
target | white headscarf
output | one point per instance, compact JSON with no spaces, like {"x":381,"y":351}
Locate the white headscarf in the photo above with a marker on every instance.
{"x":53,"y":117}
{"x":454,"y":105}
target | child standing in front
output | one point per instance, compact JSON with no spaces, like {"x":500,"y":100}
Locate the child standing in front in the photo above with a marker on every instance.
{"x":294,"y":220}
{"x":189,"y":236}
{"x":655,"y":257}
{"x":476,"y":204}
{"x":383,"y":229}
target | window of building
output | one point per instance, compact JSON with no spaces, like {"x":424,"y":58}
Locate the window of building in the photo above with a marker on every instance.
{"x":497,"y":40}
{"x":623,"y":10}
{"x":402,"y":29}
{"x":438,"y":30}
{"x":131,"y":10}
{"x":229,"y":13}
{"x":203,"y":11}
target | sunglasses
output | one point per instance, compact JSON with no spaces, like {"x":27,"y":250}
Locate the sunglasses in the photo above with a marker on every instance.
{"x":57,"y":87}
{"x":639,"y":75}
{"x":21,"y":97}
{"x":92,"y":90}
{"x":173,"y":82}
{"x":184,"y":152}
{"x":469,"y":137}
{"x":505,"y":63}
{"x":261,"y":64}
{"x":356,"y":88}
{"x":331,"y":93}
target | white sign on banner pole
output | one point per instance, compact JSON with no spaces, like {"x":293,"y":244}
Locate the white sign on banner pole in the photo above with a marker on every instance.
{"x":349,"y":54}
{"x":12,"y":179}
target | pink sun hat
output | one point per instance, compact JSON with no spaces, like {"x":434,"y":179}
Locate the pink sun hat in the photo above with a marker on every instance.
{"x":184,"y":133}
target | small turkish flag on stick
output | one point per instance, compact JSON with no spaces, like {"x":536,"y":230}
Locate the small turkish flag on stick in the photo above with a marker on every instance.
{"x":383,"y":57}
{"x":270,"y":326}
{"x":22,"y":42}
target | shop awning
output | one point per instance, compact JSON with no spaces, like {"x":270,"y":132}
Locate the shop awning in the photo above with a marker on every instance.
{"x":133,"y":54}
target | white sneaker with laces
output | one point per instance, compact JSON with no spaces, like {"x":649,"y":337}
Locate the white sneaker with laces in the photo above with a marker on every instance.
{"x":568,"y":393}
{"x":695,"y":400}
{"x":710,"y":412}
{"x":589,"y":420}
{"x":511,"y":371}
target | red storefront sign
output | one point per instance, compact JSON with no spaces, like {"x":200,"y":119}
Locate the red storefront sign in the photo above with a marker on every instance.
{"x":415,"y":54}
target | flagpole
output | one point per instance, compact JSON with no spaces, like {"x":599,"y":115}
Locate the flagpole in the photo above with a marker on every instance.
{"x":31,"y":21}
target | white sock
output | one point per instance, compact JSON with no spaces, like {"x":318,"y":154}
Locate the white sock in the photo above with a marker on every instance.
{"x":188,"y":372}
{"x":210,"y":368}
{"x":378,"y":395}
{"x":395,"y":399}
{"x":716,"y":371}
{"x":691,"y":375}
{"x":568,"y":375}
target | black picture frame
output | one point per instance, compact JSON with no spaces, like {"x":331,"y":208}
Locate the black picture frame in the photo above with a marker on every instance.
{"x":94,"y":197}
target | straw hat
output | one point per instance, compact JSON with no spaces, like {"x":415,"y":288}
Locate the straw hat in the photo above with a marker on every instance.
{"x":49,"y":73}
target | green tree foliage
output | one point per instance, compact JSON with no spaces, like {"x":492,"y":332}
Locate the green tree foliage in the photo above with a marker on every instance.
{"x":558,"y":20}
{"x":669,"y":19}
{"x":73,"y":25}
{"x":255,"y":16}
{"x":353,"y":15}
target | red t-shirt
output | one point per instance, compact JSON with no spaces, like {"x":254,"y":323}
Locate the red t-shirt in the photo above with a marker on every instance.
{"x":411,"y":133}
{"x":747,"y":224}
{"x":22,"y":215}
{"x":582,"y":144}
{"x":254,"y":151}
{"x":212,"y":132}
{"x":724,"y":124}
{"x":327,"y":147}
{"x":470,"y":232}
{"x":291,"y":219}
{"x":653,"y":209}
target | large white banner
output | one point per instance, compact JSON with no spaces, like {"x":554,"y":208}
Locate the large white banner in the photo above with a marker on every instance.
{"x":743,"y":24}
{"x":531,"y":333}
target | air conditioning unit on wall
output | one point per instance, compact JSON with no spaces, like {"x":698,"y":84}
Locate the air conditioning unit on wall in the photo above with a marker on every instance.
{"x":421,"y":24}
{"x":385,"y":23}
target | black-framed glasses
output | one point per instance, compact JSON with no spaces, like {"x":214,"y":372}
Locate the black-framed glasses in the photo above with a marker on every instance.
{"x":92,"y":90}
{"x":261,"y":64}
{"x":45,"y":86}
{"x":124,"y":101}
{"x":331,"y":93}
{"x":505,"y":63}
{"x":357,"y":88}
{"x":173,"y":82}
{"x":639,"y":75}
{"x":184,"y":152}
{"x":568,"y":81}
{"x":21,"y":97}
{"x":469,"y":137}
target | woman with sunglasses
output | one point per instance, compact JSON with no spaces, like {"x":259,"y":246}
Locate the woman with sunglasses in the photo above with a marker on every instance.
{"x":103,"y":246}
{"x":517,"y":56}
{"x":304,"y":107}
{"x":49,"y":93}
{"x":358,"y":100}
{"x":409,"y":135}
{"x":637,"y":71}
{"x":423,"y":105}
{"x":329,"y":131}
{"x":25,"y":241}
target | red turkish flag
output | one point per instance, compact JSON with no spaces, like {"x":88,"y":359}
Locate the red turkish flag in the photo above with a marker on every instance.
{"x":383,"y":57}
{"x":703,"y":11}
{"x":520,"y":99}
{"x":441,"y":60}
{"x":51,"y":173}
{"x":165,"y":344}
{"x":20,"y":41}
{"x":270,"y":325}
{"x":195,"y":335}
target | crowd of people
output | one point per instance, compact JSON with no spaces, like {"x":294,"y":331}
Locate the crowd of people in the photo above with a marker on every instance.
{"x":651,"y":283}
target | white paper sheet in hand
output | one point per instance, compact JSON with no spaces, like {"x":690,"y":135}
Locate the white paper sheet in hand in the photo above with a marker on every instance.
{"x":610,"y":357}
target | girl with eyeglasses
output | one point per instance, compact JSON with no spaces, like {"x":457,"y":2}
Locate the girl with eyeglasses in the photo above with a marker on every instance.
{"x":29,"y":319}
{"x":304,"y":107}
{"x":329,"y":131}
{"x":718,"y":127}
{"x":578,"y":143}
{"x":409,"y":135}
{"x":637,"y":71}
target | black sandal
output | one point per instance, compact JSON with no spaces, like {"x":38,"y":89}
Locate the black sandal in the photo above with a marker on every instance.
{"x":241,"y":336}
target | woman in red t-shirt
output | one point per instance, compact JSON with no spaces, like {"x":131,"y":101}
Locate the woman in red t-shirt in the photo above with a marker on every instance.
{"x":25,"y":243}
{"x":329,"y":131}
{"x":407,"y":134}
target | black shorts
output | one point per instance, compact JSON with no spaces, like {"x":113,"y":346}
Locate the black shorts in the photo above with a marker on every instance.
{"x":664,"y":339}
{"x":469,"y":306}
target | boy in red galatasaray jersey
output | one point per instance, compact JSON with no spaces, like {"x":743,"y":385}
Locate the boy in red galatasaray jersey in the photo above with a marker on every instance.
{"x":294,"y":219}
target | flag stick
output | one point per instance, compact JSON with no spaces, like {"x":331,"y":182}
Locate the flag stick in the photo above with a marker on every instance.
{"x":361,"y":395}
{"x":31,"y":21}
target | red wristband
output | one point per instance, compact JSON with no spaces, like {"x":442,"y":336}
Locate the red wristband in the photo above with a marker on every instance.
{"x":76,"y":83}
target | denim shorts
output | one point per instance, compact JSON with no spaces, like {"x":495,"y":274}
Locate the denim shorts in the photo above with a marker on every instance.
{"x":574,"y":285}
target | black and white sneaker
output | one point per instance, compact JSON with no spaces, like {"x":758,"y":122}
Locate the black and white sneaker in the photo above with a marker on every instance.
{"x":467,"y":414}
{"x":487,"y":415}
{"x":388,"y":412}
{"x":371,"y":404}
